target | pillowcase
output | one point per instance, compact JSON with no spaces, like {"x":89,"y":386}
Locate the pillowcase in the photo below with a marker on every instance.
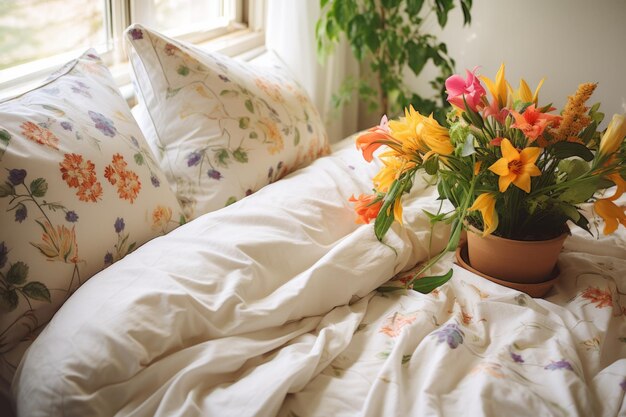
{"x":79,"y":189}
{"x":221,"y":128}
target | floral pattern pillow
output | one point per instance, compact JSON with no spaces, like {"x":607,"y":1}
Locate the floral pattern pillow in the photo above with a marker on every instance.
{"x":221,"y":128}
{"x":79,"y":189}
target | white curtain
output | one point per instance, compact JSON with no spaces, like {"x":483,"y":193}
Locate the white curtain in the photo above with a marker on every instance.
{"x":290,"y":33}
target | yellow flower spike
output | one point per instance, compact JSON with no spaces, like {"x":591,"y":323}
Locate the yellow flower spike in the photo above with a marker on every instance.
{"x":486,"y":204}
{"x":516,"y":167}
{"x":611,"y":213}
{"x":614,"y":135}
{"x":498,"y":89}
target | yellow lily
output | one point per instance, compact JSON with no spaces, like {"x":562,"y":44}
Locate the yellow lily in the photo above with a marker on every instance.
{"x":497,"y":88}
{"x":404,"y":131}
{"x":524,"y":94}
{"x":614,"y":135}
{"x":435,"y":136}
{"x":59,"y":244}
{"x":611,"y":213}
{"x":393,"y":167}
{"x":516,"y":167}
{"x":486,"y":204}
{"x":397,"y":209}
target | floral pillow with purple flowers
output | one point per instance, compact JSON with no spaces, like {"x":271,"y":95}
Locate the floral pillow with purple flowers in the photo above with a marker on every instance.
{"x":79,"y":190}
{"x":221,"y":128}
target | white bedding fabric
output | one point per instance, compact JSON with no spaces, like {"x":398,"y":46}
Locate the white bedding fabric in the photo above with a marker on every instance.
{"x":267,"y":307}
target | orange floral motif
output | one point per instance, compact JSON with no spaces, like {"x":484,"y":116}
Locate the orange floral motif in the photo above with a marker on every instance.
{"x":161,"y":216}
{"x":601,"y":298}
{"x":128,"y":184}
{"x":489,"y":368}
{"x":270,"y":89}
{"x":40,"y":135}
{"x":59,"y":244}
{"x":272,"y":135}
{"x":395,"y":323}
{"x":80,"y":173}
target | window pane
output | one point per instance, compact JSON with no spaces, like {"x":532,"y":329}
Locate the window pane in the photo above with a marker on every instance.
{"x":178,"y":15}
{"x":34,"y":29}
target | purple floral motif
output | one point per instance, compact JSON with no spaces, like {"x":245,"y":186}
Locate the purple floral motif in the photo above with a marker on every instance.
{"x":194,"y":158}
{"x":562,"y":364}
{"x":623,"y":384}
{"x":119,"y":225}
{"x":249,"y":192}
{"x":136,"y":34}
{"x":155,"y":181}
{"x":21,"y":213}
{"x":82,"y":89}
{"x":451,"y":334}
{"x":309,"y":128}
{"x":16,"y":176}
{"x":94,"y":57}
{"x":103,"y":124}
{"x":224,"y":78}
{"x":517,"y":358}
{"x":134,"y":141}
{"x":71,"y":216}
{"x":66,"y":125}
{"x":3,"y":254}
{"x":108,"y":258}
{"x":215,"y":174}
{"x":270,"y":172}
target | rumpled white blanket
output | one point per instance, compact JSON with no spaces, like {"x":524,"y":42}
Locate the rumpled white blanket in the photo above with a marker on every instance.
{"x":268,"y":307}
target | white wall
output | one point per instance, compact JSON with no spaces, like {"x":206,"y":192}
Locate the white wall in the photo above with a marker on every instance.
{"x":566,"y":41}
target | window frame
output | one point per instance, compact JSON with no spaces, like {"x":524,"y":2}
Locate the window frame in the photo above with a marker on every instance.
{"x":242,"y":32}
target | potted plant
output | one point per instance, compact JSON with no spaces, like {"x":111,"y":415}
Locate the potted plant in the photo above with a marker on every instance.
{"x":515,"y":172}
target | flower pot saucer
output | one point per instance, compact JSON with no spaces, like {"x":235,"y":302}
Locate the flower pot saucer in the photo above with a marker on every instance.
{"x":537,"y":290}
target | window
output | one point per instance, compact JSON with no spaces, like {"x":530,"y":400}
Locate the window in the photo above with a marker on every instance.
{"x":36,"y":36}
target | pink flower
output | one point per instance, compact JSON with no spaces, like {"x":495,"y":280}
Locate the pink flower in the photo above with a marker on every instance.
{"x":457,"y":87}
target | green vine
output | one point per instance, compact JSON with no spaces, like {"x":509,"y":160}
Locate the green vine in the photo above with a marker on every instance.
{"x":391,"y":36}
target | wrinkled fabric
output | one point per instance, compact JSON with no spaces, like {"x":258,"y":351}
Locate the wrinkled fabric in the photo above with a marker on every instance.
{"x":269,"y":307}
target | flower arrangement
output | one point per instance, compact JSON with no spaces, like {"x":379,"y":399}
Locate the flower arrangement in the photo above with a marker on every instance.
{"x":509,"y":166}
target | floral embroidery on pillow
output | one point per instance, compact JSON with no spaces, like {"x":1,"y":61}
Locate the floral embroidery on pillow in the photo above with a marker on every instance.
{"x":40,"y":135}
{"x":81,"y":174}
{"x":128,"y":184}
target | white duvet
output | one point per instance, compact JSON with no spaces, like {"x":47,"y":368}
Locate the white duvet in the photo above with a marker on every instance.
{"x":268,"y":307}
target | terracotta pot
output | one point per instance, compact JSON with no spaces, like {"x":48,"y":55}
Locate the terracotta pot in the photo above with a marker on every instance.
{"x":518,"y":261}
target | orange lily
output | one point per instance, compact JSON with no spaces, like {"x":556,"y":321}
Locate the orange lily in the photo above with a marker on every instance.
{"x":533,"y":122}
{"x":486,"y":204}
{"x":611,"y":213}
{"x":621,"y":186}
{"x":367,"y":207}
{"x":516,"y":167}
{"x":373,"y":139}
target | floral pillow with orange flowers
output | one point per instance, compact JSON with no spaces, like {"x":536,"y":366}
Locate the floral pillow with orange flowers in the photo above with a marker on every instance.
{"x":79,"y":189}
{"x":221,"y":128}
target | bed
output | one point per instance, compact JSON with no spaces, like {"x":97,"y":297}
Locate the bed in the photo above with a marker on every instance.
{"x":278,"y":304}
{"x":269,"y":307}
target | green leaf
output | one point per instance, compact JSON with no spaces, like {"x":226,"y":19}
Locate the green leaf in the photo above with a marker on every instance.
{"x":229,"y":93}
{"x":296,"y":139}
{"x":254,"y":135}
{"x":244,"y":122}
{"x":574,"y":168}
{"x":581,"y":192}
{"x":442,"y":7}
{"x":6,"y":189}
{"x":240,"y":155}
{"x":17,"y":273}
{"x":58,"y":112}
{"x":37,"y":291}
{"x":426,"y":284}
{"x":131,"y":247}
{"x":8,"y":299}
{"x":171,"y":92}
{"x":38,"y":187}
{"x":563,"y":150}
{"x":418,"y":56}
{"x":183,"y":70}
{"x":222,"y":156}
{"x":182,"y":220}
{"x":5,"y":138}
{"x":467,"y":16}
{"x":249,"y":105}
{"x":431,"y":165}
{"x":230,"y":201}
{"x":414,"y":6}
{"x":138,"y":158}
{"x":468,"y":146}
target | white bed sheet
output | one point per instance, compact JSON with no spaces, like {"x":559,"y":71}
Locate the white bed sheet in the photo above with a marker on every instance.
{"x":268,"y":307}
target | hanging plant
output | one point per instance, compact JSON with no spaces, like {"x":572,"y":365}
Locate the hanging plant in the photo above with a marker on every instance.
{"x":390,"y":35}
